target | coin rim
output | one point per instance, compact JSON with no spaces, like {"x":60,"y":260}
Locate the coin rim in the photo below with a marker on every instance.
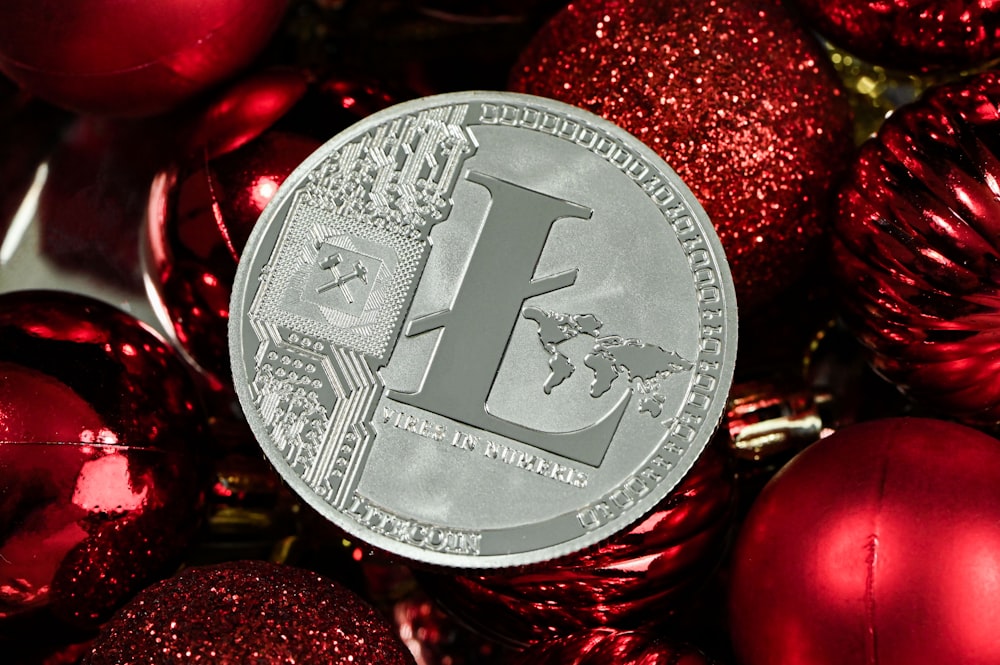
{"x":495,"y":561}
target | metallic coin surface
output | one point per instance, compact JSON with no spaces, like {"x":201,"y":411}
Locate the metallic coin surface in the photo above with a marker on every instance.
{"x":483,"y":329}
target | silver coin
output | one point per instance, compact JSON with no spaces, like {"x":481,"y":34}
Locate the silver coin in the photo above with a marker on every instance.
{"x":483,"y":329}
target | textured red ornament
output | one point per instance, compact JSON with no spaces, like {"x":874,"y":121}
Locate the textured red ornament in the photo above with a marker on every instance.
{"x":917,"y":246}
{"x":98,"y":482}
{"x":911,"y":34}
{"x":202,"y":212}
{"x":247,"y":612}
{"x":637,"y":577}
{"x":733,"y":94}
{"x":130,"y":57}
{"x":879,"y":544}
{"x":603,"y":646}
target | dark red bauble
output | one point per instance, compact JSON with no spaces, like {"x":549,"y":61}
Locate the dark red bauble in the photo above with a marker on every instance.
{"x":98,"y":477}
{"x":638,"y":577}
{"x":917,"y":249}
{"x":248,"y":612}
{"x":879,"y":544}
{"x":910,"y":34}
{"x":203,"y":210}
{"x":130,"y":57}
{"x":733,"y":94}
{"x":603,"y":646}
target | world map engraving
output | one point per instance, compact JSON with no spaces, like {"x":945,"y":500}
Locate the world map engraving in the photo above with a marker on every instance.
{"x":643,"y":364}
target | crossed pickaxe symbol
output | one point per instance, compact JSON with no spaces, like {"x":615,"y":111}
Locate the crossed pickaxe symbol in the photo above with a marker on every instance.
{"x":331,"y":263}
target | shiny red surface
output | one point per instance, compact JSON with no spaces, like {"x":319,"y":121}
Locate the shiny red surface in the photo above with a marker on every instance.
{"x":98,"y":481}
{"x":911,"y":34}
{"x":202,"y":212}
{"x":635,"y":578}
{"x":879,"y":544}
{"x":733,"y":94}
{"x":917,"y":249}
{"x":130,"y":57}
{"x":603,"y":646}
{"x":247,"y":612}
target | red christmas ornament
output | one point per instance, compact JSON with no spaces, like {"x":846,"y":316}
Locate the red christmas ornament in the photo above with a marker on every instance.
{"x":98,"y":482}
{"x":879,"y":544}
{"x":202,"y":212}
{"x":603,"y":646}
{"x":917,"y":245}
{"x":437,"y":638}
{"x":635,"y":578}
{"x":733,"y":94}
{"x":911,"y":34}
{"x":129,"y":57}
{"x":248,"y":612}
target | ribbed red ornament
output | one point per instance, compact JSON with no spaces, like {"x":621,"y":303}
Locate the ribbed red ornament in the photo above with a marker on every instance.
{"x":917,"y":249}
{"x":130,"y":57}
{"x":733,"y":94}
{"x":879,"y":544}
{"x":248,"y":612}
{"x":98,"y":477}
{"x":603,"y":646}
{"x":910,"y":34}
{"x":637,"y":577}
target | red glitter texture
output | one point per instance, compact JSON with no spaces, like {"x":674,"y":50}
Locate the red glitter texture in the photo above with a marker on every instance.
{"x":917,"y":249}
{"x":878,"y":544}
{"x":911,"y":34}
{"x":606,"y":645}
{"x":247,"y":613}
{"x":733,"y":94}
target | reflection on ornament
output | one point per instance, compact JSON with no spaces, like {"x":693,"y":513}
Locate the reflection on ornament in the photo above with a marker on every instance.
{"x":916,"y":246}
{"x":131,"y":58}
{"x":915,"y":35}
{"x":603,"y":646}
{"x":98,"y":480}
{"x":878,"y":544}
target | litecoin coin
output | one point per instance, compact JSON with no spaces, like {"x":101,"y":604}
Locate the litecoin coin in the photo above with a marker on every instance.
{"x":483,"y":329}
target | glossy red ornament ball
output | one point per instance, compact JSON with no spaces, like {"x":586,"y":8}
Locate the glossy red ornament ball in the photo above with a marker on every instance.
{"x":879,"y":544}
{"x":248,"y":612}
{"x":603,"y":646}
{"x":98,"y":477}
{"x":203,"y":209}
{"x":917,"y":248}
{"x":637,"y":577}
{"x":130,"y":57}
{"x":910,"y":34}
{"x":733,"y":94}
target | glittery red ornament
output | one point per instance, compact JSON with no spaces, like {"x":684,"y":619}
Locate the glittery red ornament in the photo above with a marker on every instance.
{"x":917,"y":249}
{"x":130,"y":57}
{"x":879,"y":544}
{"x":603,"y":646}
{"x":202,"y":211}
{"x":635,"y":578}
{"x":98,"y":481}
{"x":733,"y":94}
{"x":248,"y":612}
{"x":910,"y":34}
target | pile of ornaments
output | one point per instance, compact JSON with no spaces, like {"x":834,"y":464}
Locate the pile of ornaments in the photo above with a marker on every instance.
{"x":138,"y":521}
